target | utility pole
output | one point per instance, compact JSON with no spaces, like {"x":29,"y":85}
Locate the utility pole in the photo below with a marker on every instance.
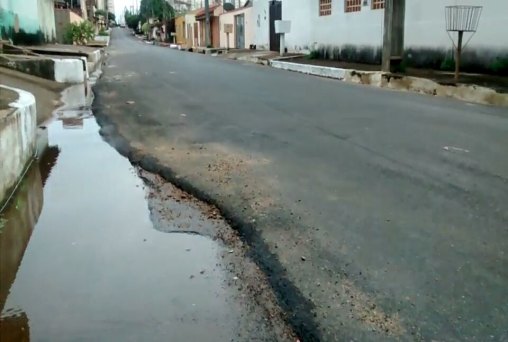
{"x":207,"y":24}
{"x":393,"y":35}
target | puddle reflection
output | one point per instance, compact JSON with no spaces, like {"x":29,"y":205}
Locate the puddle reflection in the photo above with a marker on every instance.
{"x":95,"y":268}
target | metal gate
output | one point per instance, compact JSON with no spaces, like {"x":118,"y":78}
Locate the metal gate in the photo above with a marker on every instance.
{"x":275,"y":14}
{"x":240,"y":31}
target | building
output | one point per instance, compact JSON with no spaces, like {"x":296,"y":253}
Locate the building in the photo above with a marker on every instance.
{"x":27,"y":21}
{"x":192,"y":30}
{"x":111,"y":6}
{"x":353,"y":30}
{"x":64,"y":17}
{"x":180,"y":37}
{"x":241,"y":20}
{"x":215,"y":11}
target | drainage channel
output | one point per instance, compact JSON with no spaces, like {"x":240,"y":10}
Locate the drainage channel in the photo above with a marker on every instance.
{"x":93,"y":249}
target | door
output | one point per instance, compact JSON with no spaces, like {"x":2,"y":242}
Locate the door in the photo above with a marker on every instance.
{"x":275,"y":14}
{"x":240,"y":31}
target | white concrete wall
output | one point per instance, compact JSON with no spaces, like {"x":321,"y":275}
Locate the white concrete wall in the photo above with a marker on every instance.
{"x":309,"y":30}
{"x":425,"y":24}
{"x":32,"y":15}
{"x":229,"y":18}
{"x":69,"y":70}
{"x":17,"y":140}
{"x":260,"y":12}
{"x":190,"y":19}
{"x":101,"y":5}
{"x":46,"y":15}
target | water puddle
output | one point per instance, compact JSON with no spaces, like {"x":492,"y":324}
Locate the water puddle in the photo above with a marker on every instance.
{"x":81,"y":260}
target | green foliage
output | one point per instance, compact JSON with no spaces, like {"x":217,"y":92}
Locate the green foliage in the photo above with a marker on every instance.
{"x":103,"y":32}
{"x":100,"y":12}
{"x":314,"y":54}
{"x":110,"y":15}
{"x":448,"y":64}
{"x":500,"y":66}
{"x":80,"y":33}
{"x":145,"y":28}
{"x":401,"y":67}
{"x":160,"y":9}
{"x":131,"y":20}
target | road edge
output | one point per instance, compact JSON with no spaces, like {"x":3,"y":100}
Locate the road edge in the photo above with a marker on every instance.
{"x":299,"y":310}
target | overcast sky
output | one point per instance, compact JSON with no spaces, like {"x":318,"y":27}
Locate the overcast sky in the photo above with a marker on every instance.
{"x":121,"y":4}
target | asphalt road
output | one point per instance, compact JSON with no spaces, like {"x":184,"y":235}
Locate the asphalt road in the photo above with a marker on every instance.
{"x":377,"y":214}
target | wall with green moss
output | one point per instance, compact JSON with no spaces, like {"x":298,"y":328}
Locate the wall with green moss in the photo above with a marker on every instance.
{"x":27,"y":21}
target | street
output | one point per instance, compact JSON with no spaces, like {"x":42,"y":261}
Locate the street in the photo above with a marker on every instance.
{"x":375,"y":214}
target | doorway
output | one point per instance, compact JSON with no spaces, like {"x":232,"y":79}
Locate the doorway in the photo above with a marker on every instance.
{"x":240,"y":31}
{"x":275,"y":14}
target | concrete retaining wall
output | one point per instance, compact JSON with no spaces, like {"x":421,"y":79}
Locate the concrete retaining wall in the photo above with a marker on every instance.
{"x":70,"y":70}
{"x":17,"y":140}
{"x":470,"y":93}
{"x":62,"y":70}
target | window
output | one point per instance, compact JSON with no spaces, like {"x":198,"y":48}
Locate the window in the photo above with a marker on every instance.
{"x":325,"y":7}
{"x":353,"y":6}
{"x":378,"y":4}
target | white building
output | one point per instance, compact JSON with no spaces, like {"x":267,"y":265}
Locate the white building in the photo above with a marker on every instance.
{"x":111,"y":6}
{"x":353,"y":29}
{"x":28,"y":21}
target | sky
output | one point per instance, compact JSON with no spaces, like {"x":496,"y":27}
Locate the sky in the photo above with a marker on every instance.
{"x":121,"y":4}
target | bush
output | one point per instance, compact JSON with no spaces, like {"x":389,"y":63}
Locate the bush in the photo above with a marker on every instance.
{"x":80,"y":33}
{"x":448,"y":64}
{"x":499,"y":66}
{"x":314,"y":54}
{"x":103,"y":32}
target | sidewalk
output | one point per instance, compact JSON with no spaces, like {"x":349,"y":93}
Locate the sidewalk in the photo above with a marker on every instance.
{"x":430,"y":84}
{"x":475,"y":88}
{"x":498,"y":83}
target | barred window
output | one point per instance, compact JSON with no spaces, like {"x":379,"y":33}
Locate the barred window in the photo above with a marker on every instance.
{"x":325,"y":7}
{"x":353,"y":6}
{"x":378,"y":4}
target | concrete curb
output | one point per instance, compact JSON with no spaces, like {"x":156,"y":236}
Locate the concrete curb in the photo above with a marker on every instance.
{"x":61,"y":70}
{"x":310,"y":69}
{"x":102,"y":39}
{"x":70,"y":70}
{"x":469,"y":93}
{"x":17,"y":141}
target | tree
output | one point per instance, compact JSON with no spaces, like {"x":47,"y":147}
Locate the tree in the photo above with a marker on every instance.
{"x":160,"y":9}
{"x":131,"y":20}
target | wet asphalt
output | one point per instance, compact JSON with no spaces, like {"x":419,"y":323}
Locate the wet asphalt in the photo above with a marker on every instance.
{"x":94,"y":249}
{"x":379,"y":215}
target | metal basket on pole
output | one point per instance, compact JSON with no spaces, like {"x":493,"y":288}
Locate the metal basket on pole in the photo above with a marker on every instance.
{"x":461,"y":19}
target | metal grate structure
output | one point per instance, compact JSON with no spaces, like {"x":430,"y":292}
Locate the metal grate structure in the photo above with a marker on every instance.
{"x":462,"y":18}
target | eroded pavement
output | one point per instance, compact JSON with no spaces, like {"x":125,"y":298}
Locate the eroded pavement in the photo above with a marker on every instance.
{"x":93,"y":248}
{"x":376,"y":215}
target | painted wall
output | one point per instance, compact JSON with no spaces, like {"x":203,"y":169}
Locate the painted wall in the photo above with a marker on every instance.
{"x":214,"y":26}
{"x":101,"y":4}
{"x":309,"y":30}
{"x":358,"y":36}
{"x":33,"y":19}
{"x":64,"y":17}
{"x":260,"y":14}
{"x":180,"y":30}
{"x":17,"y":140}
{"x":425,"y":23}
{"x":192,"y":30}
{"x":229,"y":18}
